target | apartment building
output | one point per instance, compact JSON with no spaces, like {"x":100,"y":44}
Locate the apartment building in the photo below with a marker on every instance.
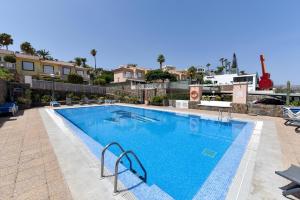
{"x":129,"y":72}
{"x":35,"y":66}
{"x":181,"y":75}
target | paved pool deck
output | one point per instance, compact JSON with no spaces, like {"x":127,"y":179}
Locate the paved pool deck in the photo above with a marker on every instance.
{"x":28,"y":165}
{"x":33,"y":167}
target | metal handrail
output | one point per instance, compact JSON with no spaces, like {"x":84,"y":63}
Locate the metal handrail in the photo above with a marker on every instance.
{"x":117,"y":168}
{"x":103,"y":152}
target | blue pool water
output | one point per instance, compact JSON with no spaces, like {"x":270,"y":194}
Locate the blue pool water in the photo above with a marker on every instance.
{"x":178,"y":151}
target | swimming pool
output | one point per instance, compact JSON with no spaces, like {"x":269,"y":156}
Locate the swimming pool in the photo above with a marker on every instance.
{"x":180,"y":152}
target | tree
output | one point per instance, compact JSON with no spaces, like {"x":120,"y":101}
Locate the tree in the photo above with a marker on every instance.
{"x":93,"y":53}
{"x":199,"y":77}
{"x":99,"y":81}
{"x":192,"y":72}
{"x":83,"y":60}
{"x":27,"y":48}
{"x":5,"y":74}
{"x":78,"y":61}
{"x":234,"y":64}
{"x":207,"y":66}
{"x":220,"y":69}
{"x":10,"y":59}
{"x":222,"y":61}
{"x":44,"y":54}
{"x":75,"y":78}
{"x":107,"y":76}
{"x":155,"y":75}
{"x":161,"y":59}
{"x":6,"y":40}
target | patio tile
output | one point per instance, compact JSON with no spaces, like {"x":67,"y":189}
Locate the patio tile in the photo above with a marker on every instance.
{"x":7,"y":179}
{"x":29,"y":184}
{"x":6,"y":192}
{"x":31,"y":172}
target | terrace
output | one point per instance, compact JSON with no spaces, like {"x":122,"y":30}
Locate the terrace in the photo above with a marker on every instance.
{"x":35,"y":163}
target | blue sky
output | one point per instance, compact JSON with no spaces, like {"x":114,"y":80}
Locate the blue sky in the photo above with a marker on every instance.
{"x":187,"y":32}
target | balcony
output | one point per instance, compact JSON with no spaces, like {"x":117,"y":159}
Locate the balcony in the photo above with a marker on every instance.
{"x":7,"y":65}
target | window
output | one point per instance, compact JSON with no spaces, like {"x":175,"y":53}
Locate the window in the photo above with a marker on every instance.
{"x":28,"y":66}
{"x":139,"y":74}
{"x":48,"y":69}
{"x":66,"y":70}
{"x":80,"y":72}
{"x":127,"y":74}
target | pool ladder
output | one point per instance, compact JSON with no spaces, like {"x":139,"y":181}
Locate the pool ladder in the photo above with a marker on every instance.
{"x":123,"y":154}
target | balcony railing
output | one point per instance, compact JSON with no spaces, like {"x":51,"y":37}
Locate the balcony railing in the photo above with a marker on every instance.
{"x":7,"y":65}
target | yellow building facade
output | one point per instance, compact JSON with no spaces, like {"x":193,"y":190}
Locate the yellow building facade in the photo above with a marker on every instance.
{"x":35,"y":66}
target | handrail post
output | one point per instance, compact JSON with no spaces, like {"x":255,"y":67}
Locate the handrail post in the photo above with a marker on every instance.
{"x":103,"y":152}
{"x":117,"y":168}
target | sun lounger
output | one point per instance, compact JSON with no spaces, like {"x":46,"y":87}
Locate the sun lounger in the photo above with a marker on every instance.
{"x":290,"y":116}
{"x":10,"y":108}
{"x":292,"y":174}
{"x":54,"y":104}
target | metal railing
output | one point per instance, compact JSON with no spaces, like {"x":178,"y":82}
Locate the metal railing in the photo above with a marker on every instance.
{"x":124,"y":153}
{"x":103,"y":153}
{"x":117,"y":168}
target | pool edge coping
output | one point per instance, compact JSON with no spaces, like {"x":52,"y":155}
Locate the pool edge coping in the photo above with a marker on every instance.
{"x":248,"y":157}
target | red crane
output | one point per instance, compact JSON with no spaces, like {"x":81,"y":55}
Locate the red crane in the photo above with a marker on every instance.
{"x":265,"y":83}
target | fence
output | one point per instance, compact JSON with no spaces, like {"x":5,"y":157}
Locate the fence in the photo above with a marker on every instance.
{"x":67,"y":87}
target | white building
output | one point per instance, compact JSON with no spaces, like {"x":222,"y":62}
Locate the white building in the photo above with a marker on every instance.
{"x":229,"y":79}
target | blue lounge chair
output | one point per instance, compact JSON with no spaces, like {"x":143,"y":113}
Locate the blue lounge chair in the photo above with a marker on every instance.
{"x":54,"y":104}
{"x":8,"y":108}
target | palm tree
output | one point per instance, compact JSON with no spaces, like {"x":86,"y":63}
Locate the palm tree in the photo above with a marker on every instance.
{"x":222,"y":61}
{"x":27,"y":48}
{"x":207,"y":66}
{"x":93,"y":53}
{"x":78,"y":61}
{"x":83,"y":60}
{"x":161,"y":59}
{"x":6,"y":40}
{"x":192,"y":72}
{"x":43,"y":53}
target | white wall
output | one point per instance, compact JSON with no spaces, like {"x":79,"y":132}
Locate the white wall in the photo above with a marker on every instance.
{"x":227,"y":79}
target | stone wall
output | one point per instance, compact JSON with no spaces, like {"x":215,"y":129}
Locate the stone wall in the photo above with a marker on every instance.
{"x":254,"y":109}
{"x":267,"y":110}
{"x":3,"y":91}
{"x":239,"y":108}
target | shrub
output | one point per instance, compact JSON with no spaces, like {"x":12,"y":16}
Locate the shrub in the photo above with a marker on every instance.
{"x":133,"y":100}
{"x":205,"y":98}
{"x":75,"y":78}
{"x":69,"y":95}
{"x":157,"y":100}
{"x":295,"y":103}
{"x":10,"y":59}
{"x":23,"y":101}
{"x":46,"y":98}
{"x":76,"y":98}
{"x":5,"y":74}
{"x":99,"y":81}
{"x":218,"y":98}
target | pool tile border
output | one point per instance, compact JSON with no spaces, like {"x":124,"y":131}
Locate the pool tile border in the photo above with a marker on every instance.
{"x":242,"y":153}
{"x":127,"y":179}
